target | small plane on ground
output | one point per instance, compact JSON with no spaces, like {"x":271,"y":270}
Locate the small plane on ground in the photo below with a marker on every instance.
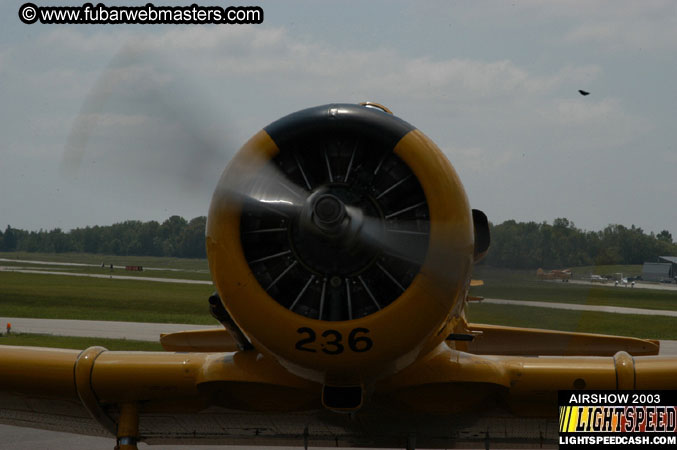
{"x":341,"y":244}
{"x":597,"y":279}
{"x":555,"y":274}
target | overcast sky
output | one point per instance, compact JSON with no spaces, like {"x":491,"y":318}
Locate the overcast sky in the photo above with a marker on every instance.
{"x":100,"y":124}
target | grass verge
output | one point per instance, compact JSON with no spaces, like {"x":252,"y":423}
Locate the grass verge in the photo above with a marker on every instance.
{"x":77,"y":343}
{"x":97,"y":259}
{"x":523,"y":285}
{"x":653,"y":327}
{"x":106,"y":271}
{"x":64,"y":297}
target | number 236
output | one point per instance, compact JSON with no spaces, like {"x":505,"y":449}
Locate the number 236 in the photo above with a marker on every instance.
{"x":333,"y":341}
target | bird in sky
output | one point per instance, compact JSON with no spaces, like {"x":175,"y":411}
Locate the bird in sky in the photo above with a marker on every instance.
{"x":583,"y":93}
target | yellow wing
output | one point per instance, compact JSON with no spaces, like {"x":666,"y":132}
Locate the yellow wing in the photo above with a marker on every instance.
{"x":246,"y":398}
{"x":504,"y":340}
{"x":171,"y":396}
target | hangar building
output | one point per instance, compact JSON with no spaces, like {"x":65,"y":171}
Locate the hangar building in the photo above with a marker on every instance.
{"x":664,"y":269}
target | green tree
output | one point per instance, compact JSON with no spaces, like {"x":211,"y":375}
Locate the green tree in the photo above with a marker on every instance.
{"x":9,"y":239}
{"x":520,"y":245}
{"x":664,"y":236}
{"x":192,"y":242}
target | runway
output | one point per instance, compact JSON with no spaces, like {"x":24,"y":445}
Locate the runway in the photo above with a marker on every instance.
{"x":108,"y":277}
{"x":62,"y":263}
{"x":137,"y":331}
{"x":151,"y":331}
{"x":580,"y":307}
{"x":638,"y":285}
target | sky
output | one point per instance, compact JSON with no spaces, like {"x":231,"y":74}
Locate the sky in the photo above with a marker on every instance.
{"x":101,"y":124}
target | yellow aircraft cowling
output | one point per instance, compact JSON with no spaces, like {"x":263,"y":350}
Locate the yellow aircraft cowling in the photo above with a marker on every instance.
{"x":348,"y":314}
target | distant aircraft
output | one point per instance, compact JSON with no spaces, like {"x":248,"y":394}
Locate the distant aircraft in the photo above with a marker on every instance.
{"x":341,"y":244}
{"x":555,"y":274}
{"x":583,"y":93}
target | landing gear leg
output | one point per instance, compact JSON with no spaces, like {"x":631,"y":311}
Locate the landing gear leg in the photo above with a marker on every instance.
{"x":128,"y":427}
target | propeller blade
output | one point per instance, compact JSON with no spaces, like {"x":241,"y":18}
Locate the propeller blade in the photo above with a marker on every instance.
{"x":403,"y":243}
{"x":180,"y":141}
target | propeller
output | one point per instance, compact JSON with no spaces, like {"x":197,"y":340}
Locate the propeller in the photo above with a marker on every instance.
{"x":183,"y":137}
{"x":329,"y":231}
{"x":337,"y":221}
{"x":324,"y":214}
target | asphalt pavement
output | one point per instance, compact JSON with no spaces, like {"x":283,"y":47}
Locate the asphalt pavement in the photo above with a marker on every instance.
{"x":97,"y":275}
{"x":580,"y":307}
{"x":152,"y":331}
{"x":137,"y":331}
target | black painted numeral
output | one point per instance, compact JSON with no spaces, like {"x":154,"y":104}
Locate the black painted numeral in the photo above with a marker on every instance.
{"x":310,"y":339}
{"x":336,"y":346}
{"x":358,"y":342}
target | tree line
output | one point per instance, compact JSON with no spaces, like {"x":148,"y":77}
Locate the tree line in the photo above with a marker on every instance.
{"x":530,"y":245}
{"x":174,"y":237}
{"x":518,"y":245}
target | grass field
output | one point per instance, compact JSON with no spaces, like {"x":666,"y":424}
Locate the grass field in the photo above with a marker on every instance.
{"x":92,"y":258}
{"x":189,"y":269}
{"x":654,"y":327}
{"x":523,"y":285}
{"x":64,"y":297}
{"x":77,"y":343}
{"x":627,"y":270}
{"x":98,"y":270}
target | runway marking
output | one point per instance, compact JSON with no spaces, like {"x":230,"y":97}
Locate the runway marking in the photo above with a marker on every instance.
{"x":63,"y":263}
{"x":109,"y":277}
{"x":579,"y":307}
{"x":638,"y":285}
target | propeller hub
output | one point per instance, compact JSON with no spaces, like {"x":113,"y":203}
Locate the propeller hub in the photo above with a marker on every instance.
{"x":329,"y":213}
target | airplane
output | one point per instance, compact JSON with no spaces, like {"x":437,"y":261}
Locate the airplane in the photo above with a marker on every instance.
{"x":341,"y":244}
{"x":597,"y":279}
{"x":555,"y":274}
